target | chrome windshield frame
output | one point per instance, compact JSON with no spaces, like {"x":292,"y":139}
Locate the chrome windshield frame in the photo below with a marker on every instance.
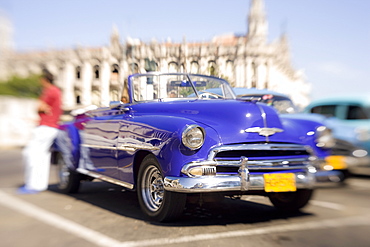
{"x":225,"y":87}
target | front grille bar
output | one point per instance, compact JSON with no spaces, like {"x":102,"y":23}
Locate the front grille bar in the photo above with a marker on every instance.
{"x":274,"y":148}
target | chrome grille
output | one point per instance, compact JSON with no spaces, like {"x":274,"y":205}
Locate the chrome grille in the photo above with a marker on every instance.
{"x":259,"y":154}
{"x":261,"y":157}
{"x":209,"y":170}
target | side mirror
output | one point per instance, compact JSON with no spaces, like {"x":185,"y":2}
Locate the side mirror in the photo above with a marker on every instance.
{"x":118,"y":105}
{"x":82,"y":111}
{"x":115,"y":104}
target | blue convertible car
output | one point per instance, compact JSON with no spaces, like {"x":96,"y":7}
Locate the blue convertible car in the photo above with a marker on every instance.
{"x":175,"y":138}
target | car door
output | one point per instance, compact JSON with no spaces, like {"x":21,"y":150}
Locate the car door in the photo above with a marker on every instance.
{"x":99,"y":143}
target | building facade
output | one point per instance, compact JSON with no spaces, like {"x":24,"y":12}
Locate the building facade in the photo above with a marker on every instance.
{"x":97,"y":75}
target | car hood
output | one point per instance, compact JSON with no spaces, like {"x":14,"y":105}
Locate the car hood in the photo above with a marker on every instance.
{"x":235,"y":121}
{"x":341,"y":129}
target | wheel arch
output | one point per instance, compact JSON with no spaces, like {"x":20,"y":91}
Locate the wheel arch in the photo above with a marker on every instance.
{"x":67,"y":143}
{"x":139,"y":156}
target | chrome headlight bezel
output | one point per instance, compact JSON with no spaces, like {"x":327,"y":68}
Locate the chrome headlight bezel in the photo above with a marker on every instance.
{"x":193,"y":137}
{"x":324,"y":137}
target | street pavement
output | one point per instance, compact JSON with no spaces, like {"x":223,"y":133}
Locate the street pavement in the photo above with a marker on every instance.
{"x":106,"y":215}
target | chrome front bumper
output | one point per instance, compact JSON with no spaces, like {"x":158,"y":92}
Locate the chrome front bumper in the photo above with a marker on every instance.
{"x":304,"y":180}
{"x":250,"y":174}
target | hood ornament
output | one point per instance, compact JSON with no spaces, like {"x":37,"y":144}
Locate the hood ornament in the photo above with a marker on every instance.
{"x":263,"y":131}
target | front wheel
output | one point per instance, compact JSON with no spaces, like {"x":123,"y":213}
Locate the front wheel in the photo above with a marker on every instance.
{"x":290,"y":201}
{"x":155,"y":201}
{"x":68,"y":180}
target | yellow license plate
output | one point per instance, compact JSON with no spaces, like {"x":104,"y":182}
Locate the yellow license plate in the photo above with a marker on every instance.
{"x":279,"y":182}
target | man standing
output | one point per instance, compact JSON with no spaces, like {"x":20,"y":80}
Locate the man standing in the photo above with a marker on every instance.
{"x":36,"y":154}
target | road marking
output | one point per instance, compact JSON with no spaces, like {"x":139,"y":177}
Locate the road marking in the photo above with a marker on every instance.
{"x":105,"y":241}
{"x":330,"y":205}
{"x":332,"y":223}
{"x":56,"y":221}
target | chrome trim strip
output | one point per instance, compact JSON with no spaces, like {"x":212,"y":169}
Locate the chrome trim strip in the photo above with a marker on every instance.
{"x":265,"y":163}
{"x":123,"y":147}
{"x":105,"y":178}
{"x":134,"y":147}
{"x":97,"y":146}
{"x":212,"y":154}
{"x":254,"y":165}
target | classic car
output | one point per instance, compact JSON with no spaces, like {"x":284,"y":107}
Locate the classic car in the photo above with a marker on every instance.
{"x":349,"y":118}
{"x":332,"y":167}
{"x":173,"y":140}
{"x":281,"y":102}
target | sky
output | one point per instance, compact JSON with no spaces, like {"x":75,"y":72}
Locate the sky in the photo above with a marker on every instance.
{"x":329,"y":39}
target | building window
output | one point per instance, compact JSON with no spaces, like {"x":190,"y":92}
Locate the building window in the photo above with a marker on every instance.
{"x":96,"y":72}
{"x":115,"y":72}
{"x":150,"y":65}
{"x":78,"y":99}
{"x":134,"y":68}
{"x":212,"y":68}
{"x":78,"y":72}
{"x":78,"y":93}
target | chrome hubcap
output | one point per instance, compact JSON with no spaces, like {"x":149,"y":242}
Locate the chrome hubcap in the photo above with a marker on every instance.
{"x":152,"y":188}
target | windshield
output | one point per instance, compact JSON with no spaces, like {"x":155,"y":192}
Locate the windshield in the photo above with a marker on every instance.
{"x":176,"y":86}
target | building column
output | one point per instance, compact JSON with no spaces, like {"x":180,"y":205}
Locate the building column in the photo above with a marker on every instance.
{"x":104,"y":84}
{"x":163,"y":65}
{"x":240,"y":73}
{"x":268,"y":73}
{"x":69,"y":101}
{"x":248,"y":73}
{"x":260,"y":74}
{"x":87,"y":77}
{"x":203,"y":66}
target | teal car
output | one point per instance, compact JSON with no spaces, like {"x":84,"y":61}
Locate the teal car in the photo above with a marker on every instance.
{"x":344,"y":154}
{"x":349,"y":119}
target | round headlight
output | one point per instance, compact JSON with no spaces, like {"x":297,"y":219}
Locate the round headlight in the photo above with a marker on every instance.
{"x":324,"y":137}
{"x":193,"y":137}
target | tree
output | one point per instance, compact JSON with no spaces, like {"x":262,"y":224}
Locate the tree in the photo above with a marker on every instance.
{"x":28,"y":87}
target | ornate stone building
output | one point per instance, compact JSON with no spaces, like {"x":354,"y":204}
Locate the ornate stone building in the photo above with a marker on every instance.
{"x":96,"y":76}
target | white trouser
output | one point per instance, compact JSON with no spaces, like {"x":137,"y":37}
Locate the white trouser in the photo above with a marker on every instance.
{"x":36,"y":156}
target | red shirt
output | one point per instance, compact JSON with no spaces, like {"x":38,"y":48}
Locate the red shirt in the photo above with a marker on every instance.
{"x":51,"y":96}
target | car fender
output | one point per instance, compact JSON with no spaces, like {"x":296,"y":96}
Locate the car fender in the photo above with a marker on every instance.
{"x":165,"y":132}
{"x":307,"y":129}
